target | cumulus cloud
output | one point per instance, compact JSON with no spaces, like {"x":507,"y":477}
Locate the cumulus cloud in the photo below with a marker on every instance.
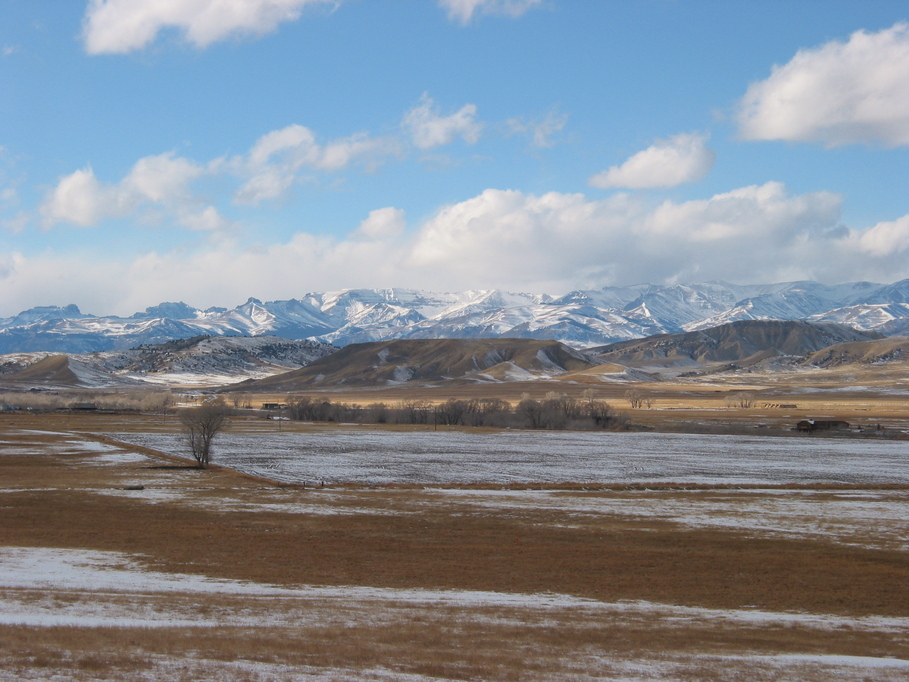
{"x":274,"y":162}
{"x":81,"y":199}
{"x":208,"y":219}
{"x":383,"y":223}
{"x":120,"y":26}
{"x":667,"y":163}
{"x":463,"y":11}
{"x":162,"y":178}
{"x":889,"y":238}
{"x":500,"y":238}
{"x":271,"y":166}
{"x":525,"y":240}
{"x":428,"y":128}
{"x":838,"y":93}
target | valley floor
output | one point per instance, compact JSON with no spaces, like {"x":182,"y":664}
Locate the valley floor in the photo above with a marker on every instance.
{"x":120,"y":562}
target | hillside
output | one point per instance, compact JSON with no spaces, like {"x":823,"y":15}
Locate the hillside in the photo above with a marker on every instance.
{"x":214,"y":359}
{"x":199,"y":361}
{"x":876,"y":352}
{"x":742,"y":343}
{"x":386,"y":363}
{"x":53,"y":370}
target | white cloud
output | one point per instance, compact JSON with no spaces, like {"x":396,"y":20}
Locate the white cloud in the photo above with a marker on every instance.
{"x":80,"y":199}
{"x":215,"y":272}
{"x":667,"y":163}
{"x":463,"y":11}
{"x":507,"y":238}
{"x":274,"y":162}
{"x":120,"y":26}
{"x":272,"y":165}
{"x":889,"y":238}
{"x":206,"y":220}
{"x":540,"y":130}
{"x":428,"y":128}
{"x":835,"y":94}
{"x":383,"y":223}
{"x":162,"y":178}
{"x":500,"y":238}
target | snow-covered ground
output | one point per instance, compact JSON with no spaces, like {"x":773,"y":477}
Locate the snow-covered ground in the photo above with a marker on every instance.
{"x":43,"y":588}
{"x":381,"y":457}
{"x":31,"y":568}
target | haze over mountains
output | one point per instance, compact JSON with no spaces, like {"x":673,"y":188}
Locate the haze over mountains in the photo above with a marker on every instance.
{"x":581,"y":319}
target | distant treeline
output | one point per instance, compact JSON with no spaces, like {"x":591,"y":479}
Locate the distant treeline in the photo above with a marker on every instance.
{"x":553,"y":412}
{"x":152,"y":401}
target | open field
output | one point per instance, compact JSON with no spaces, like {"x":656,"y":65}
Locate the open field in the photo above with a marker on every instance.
{"x":338,"y":454}
{"x":877,"y":395}
{"x":218,"y":574}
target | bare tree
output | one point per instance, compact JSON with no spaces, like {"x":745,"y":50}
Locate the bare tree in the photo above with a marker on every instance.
{"x":637,"y":399}
{"x":201,"y":425}
{"x":744,"y":400}
{"x":158,"y":403}
{"x":532,"y":411}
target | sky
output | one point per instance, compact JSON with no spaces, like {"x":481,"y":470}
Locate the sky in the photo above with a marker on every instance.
{"x":213,"y":150}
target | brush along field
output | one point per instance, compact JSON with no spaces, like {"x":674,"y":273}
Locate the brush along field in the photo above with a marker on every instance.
{"x":121,"y":562}
{"x":778,"y":401}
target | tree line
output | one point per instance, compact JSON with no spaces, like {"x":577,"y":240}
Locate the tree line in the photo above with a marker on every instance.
{"x":553,"y":412}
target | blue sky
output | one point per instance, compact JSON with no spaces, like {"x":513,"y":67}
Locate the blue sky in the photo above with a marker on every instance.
{"x":212,"y":150}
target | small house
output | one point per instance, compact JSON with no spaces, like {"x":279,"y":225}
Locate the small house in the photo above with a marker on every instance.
{"x":812,"y":425}
{"x":274,"y":406}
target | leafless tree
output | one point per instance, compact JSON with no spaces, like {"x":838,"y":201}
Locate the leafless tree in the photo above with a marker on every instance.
{"x":743,"y":400}
{"x":159,"y":403}
{"x":532,"y":411}
{"x":486,"y":411}
{"x":201,"y":425}
{"x":637,"y":399}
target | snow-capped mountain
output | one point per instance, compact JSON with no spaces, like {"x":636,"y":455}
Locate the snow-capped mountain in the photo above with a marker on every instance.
{"x":581,"y":318}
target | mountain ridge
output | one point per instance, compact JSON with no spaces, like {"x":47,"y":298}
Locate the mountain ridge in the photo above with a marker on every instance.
{"x":200,"y":360}
{"x":399,"y":361}
{"x":581,"y":318}
{"x":740,"y":344}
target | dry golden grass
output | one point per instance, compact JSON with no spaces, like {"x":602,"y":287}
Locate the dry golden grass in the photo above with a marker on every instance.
{"x":414,"y":538}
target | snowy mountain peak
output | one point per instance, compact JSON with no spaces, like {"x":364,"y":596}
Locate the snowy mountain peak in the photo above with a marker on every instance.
{"x":580,"y":318}
{"x":44,"y":314}
{"x":170,"y":311}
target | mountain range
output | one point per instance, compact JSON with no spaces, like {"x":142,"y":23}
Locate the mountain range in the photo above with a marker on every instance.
{"x":581,"y":319}
{"x":268,"y":364}
{"x":772,"y":346}
{"x":200,"y":360}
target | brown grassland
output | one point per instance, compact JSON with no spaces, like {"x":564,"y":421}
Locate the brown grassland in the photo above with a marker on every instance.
{"x":662,"y":598}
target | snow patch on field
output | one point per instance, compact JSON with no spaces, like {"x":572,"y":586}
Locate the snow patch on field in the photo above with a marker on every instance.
{"x":866,"y":519}
{"x":442,"y":458}
{"x":38,"y":569}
